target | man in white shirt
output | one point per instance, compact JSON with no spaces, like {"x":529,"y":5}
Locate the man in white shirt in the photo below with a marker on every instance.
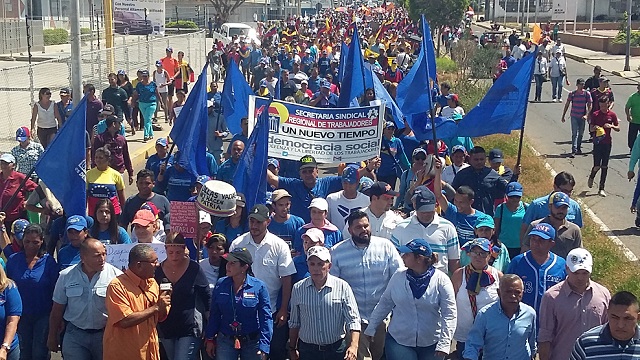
{"x":366,"y":263}
{"x":274,"y":269}
{"x":343,"y":202}
{"x":382,"y":220}
{"x":540,"y":74}
{"x":426,"y":224}
{"x":558,"y":46}
{"x":557,"y":72}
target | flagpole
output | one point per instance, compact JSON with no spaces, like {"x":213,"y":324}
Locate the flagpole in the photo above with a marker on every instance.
{"x":526,"y":105}
{"x":432,"y":114}
{"x":20,"y":187}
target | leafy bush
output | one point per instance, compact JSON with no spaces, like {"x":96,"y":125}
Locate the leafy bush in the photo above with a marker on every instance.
{"x":55,"y":36}
{"x":621,"y":38}
{"x":470,"y":92}
{"x":85,"y":31}
{"x":445,"y":64}
{"x":182,"y":24}
{"x":483,"y":62}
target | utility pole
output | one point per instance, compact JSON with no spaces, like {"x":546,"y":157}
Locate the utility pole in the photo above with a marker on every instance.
{"x":628,"y":52}
{"x":76,"y":60}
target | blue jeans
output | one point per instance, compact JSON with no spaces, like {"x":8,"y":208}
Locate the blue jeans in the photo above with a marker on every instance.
{"x":82,"y":345}
{"x":395,"y":351}
{"x":184,"y":348}
{"x":577,"y":130}
{"x":226,"y":351}
{"x":539,"y":81}
{"x":33,"y":332}
{"x":556,"y":87}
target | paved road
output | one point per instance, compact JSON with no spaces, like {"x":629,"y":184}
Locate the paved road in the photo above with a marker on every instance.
{"x":552,"y":139}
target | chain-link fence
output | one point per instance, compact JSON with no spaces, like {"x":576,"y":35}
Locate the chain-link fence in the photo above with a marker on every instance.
{"x":19,"y":85}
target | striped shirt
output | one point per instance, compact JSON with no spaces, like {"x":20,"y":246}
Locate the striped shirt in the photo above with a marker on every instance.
{"x":367,"y":270}
{"x":440,"y":234}
{"x":322,"y":315}
{"x":598,"y":343}
{"x":579,"y":102}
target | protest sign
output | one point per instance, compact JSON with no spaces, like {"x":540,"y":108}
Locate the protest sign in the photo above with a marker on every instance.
{"x":184,"y":218}
{"x":331,"y":135}
{"x":118,"y":255}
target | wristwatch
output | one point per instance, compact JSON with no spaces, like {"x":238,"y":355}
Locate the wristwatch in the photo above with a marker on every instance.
{"x":6,"y":346}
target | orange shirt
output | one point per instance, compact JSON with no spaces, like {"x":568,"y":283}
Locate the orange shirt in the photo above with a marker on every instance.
{"x":171,"y":65}
{"x":127,"y":294}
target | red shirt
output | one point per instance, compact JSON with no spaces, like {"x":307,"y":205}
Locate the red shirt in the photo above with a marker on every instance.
{"x":601,"y":117}
{"x":8,"y":188}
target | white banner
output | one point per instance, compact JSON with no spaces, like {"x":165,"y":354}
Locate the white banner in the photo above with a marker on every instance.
{"x":129,"y":17}
{"x":330,"y":135}
{"x":118,"y":255}
{"x":564,"y":10}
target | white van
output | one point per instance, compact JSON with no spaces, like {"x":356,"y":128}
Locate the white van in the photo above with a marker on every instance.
{"x":228,"y":30}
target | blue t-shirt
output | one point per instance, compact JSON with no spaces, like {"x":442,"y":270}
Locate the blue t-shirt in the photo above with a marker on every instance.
{"x":393,"y":160}
{"x":537,"y":278}
{"x":105,"y":236}
{"x":510,"y":223}
{"x":177,"y":184}
{"x":465,"y":224}
{"x":68,"y":255}
{"x":154,"y":161}
{"x":57,"y":232}
{"x":301,"y":196}
{"x":36,"y":284}
{"x":146,"y":93}
{"x":302,"y":268}
{"x":10,"y":305}
{"x":330,"y":238}
{"x":226,"y":171}
{"x":229,"y":232}
{"x":286,"y":230}
{"x":539,"y":208}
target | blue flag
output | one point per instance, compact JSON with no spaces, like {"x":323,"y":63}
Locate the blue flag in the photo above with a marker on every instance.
{"x":189,"y":132}
{"x":62,"y":166}
{"x":353,"y":82}
{"x":427,"y":42}
{"x":390,"y":104}
{"x":344,"y":50}
{"x":414,"y":91}
{"x":250,"y":177}
{"x":504,"y":107}
{"x":277,"y":94}
{"x":235,"y":97}
{"x":423,"y":129}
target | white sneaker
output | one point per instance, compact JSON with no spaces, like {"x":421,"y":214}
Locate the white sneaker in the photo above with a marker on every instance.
{"x":602,"y":193}
{"x":554,"y":100}
{"x":559,"y":100}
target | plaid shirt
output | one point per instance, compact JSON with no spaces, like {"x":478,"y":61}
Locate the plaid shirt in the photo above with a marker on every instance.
{"x":26,"y":158}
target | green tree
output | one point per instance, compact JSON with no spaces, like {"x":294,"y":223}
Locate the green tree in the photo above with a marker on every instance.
{"x":438,"y":12}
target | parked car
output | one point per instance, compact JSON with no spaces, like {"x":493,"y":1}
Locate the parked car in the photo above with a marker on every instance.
{"x":131,"y":23}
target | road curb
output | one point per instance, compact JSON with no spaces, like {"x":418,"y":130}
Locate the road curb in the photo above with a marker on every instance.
{"x":603,"y":227}
{"x":576,"y":58}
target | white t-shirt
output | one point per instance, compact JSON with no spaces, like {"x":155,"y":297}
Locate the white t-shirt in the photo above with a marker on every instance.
{"x":448,"y":112}
{"x":211,"y":272}
{"x":449,"y":172}
{"x":340,"y":207}
{"x":161,"y":78}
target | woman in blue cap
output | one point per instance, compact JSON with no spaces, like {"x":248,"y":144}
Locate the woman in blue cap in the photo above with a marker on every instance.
{"x":240,"y":322}
{"x":422,"y":299}
{"x":475,"y":285}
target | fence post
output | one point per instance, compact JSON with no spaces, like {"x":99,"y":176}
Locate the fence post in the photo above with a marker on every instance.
{"x":69,"y":73}
{"x":97,"y":83}
{"x":127,"y":66}
{"x":148,"y":55}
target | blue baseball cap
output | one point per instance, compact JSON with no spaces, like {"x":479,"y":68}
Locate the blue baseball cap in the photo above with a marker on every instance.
{"x":416,"y":246}
{"x":17,"y":228}
{"x":162,"y":141}
{"x":544,"y":230}
{"x":514,"y":189}
{"x":325,"y":84}
{"x":22,"y":134}
{"x":559,"y":199}
{"x":389,"y":124}
{"x":170,"y":49}
{"x":350,"y":175}
{"x":482,"y":243}
{"x":76,"y":222}
{"x":485,"y":221}
{"x":273,"y":162}
{"x":458,"y":148}
{"x":365,"y":184}
{"x":263,"y":83}
{"x":425,"y":199}
{"x":121,"y":72}
{"x":158,"y":63}
{"x":202,"y":179}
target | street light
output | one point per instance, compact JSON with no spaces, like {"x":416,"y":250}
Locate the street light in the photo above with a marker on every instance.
{"x":146,"y":14}
{"x":628,"y":52}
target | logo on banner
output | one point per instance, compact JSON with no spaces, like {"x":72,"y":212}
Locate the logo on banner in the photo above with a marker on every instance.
{"x":278,"y":114}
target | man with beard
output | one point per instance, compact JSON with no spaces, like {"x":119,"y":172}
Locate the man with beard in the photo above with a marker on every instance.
{"x":366,"y":263}
{"x":568,"y":236}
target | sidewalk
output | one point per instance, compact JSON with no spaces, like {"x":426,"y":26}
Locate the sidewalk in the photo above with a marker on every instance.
{"x":613,"y":64}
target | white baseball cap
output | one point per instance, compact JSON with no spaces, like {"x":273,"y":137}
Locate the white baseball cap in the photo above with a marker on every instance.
{"x":320,"y":204}
{"x":205,"y":217}
{"x":320,"y":252}
{"x":578,"y":259}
